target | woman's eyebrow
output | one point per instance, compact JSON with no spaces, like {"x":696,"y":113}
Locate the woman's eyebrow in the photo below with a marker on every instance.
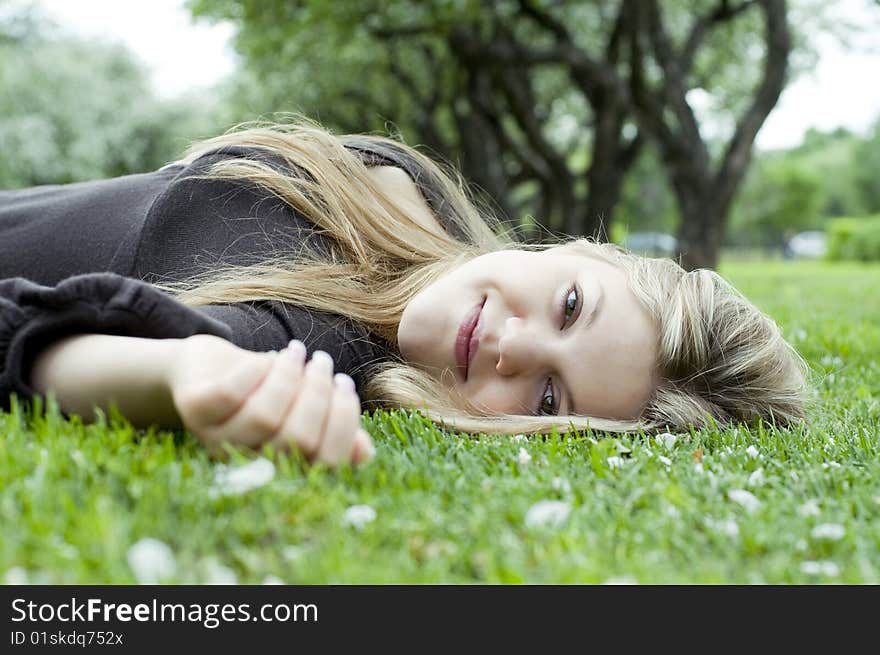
{"x":584,"y":324}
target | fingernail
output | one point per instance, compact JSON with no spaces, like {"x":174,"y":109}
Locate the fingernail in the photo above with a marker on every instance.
{"x":322,"y":358}
{"x":297,"y":347}
{"x":344,"y":381}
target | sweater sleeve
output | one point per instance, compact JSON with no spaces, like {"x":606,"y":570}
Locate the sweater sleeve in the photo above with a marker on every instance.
{"x":270,"y":325}
{"x":32,"y":316}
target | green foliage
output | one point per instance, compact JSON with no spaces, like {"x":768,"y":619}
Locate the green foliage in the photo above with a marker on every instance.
{"x":452,"y":508}
{"x":368,"y":65}
{"x":828,"y":175}
{"x":73,"y":110}
{"x":781,"y":196}
{"x":833,"y":155}
{"x":647,"y":202}
{"x":854,"y":239}
{"x":866,"y":165}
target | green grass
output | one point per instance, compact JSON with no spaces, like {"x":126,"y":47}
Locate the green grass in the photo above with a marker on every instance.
{"x":74,"y":497}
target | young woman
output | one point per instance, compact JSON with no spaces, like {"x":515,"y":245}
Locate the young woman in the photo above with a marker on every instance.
{"x":220,"y":293}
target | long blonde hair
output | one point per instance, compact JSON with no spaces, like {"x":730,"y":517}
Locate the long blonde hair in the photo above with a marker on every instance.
{"x":721,"y":360}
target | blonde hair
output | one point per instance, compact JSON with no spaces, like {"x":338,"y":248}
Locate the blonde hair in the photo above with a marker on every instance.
{"x":721,"y":360}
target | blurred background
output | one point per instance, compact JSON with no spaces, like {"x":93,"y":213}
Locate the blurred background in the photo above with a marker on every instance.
{"x":701,"y":129}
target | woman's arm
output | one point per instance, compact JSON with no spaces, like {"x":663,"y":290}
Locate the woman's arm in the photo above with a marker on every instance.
{"x":89,"y":370}
{"x":225,"y":394}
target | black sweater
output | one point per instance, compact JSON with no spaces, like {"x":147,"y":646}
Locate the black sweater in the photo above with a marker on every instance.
{"x":79,"y":258}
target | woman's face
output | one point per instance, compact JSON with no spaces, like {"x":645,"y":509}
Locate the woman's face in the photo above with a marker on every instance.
{"x":554,"y":332}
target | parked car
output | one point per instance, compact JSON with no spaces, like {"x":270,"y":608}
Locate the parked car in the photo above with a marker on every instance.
{"x":809,"y":244}
{"x":654,"y":244}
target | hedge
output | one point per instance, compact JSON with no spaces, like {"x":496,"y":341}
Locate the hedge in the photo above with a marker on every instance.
{"x":854,"y":238}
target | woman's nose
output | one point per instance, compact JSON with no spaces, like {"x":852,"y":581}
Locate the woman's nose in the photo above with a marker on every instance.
{"x":518,"y":348}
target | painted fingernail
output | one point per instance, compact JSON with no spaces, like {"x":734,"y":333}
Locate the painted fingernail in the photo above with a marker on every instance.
{"x":323,"y":359}
{"x":344,"y":381}
{"x":296,"y":347}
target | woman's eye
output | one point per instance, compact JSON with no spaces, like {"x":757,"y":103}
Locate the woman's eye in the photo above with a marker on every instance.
{"x":548,"y":400}
{"x":569,"y":305}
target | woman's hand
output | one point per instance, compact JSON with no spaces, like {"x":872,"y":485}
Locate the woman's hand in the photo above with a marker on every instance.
{"x":224,"y":393}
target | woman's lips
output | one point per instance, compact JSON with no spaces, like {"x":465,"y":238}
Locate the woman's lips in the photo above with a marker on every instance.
{"x":468,"y":339}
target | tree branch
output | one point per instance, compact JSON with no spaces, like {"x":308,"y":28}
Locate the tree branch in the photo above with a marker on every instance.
{"x":721,"y":13}
{"x":673,"y":88}
{"x":736,"y":157}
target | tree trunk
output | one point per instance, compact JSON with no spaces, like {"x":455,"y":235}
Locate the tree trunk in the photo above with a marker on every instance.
{"x":604,"y":194}
{"x":701,"y":229}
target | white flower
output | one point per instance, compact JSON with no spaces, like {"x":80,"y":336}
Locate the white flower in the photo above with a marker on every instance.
{"x":291,"y":552}
{"x":17,"y":575}
{"x":830,"y":531}
{"x":151,"y":561}
{"x":561,"y":484}
{"x":756,"y":478}
{"x":519,"y":437}
{"x":547,"y":513}
{"x":665,"y":460}
{"x":801,"y":545}
{"x":523,"y":456}
{"x":833,"y":465}
{"x":272,"y":580}
{"x":236,"y":480}
{"x":666,"y":439}
{"x":217,"y":573}
{"x":671,"y":510}
{"x":698,"y":468}
{"x":744,"y":498}
{"x":809,"y":508}
{"x":357,"y":516}
{"x":78,"y":458}
{"x":821,"y":567}
{"x":752,"y":451}
{"x":615,"y":462}
{"x":728,"y":527}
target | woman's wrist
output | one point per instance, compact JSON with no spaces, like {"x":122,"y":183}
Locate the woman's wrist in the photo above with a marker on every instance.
{"x":97,"y":370}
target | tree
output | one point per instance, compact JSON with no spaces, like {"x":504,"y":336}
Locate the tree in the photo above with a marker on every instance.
{"x":704,"y":195}
{"x":782,"y":196}
{"x":867,"y":165}
{"x":545,"y":105}
{"x":521,"y":133}
{"x":72,"y":110}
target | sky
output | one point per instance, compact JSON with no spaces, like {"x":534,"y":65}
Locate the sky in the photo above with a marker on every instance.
{"x":184,"y":54}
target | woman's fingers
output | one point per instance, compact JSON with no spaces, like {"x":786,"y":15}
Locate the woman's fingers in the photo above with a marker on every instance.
{"x":363,"y":450}
{"x":263,"y":413}
{"x":343,"y":422}
{"x":211,"y":402}
{"x":304,"y":423}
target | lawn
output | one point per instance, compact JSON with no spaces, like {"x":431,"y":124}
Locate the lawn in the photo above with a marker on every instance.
{"x":104,"y":503}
